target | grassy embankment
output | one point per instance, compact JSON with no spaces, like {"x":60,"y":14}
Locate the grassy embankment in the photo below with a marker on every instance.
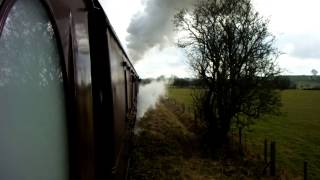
{"x":297,"y":132}
{"x":168,"y":147}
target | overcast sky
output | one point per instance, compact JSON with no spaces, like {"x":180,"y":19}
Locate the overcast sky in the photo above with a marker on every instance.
{"x":144,"y":28}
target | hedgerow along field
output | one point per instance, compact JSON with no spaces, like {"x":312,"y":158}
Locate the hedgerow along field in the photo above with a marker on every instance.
{"x":296,"y":132}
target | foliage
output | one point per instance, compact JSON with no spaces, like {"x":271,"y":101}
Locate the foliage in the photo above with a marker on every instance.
{"x":181,"y":82}
{"x":231,"y":51}
{"x":283,"y":82}
{"x":305,"y":82}
{"x":186,"y":82}
{"x":146,"y":81}
{"x":314,"y":72}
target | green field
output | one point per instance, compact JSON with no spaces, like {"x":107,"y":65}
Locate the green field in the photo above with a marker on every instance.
{"x":182,"y":95}
{"x":296,"y":132}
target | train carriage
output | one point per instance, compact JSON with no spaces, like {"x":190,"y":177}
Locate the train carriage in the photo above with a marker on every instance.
{"x":68,"y":92}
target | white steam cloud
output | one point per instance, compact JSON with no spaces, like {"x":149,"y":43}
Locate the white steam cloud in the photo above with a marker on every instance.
{"x":149,"y":95}
{"x":153,"y":26}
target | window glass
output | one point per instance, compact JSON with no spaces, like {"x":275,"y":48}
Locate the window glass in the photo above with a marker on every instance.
{"x":33,"y":134}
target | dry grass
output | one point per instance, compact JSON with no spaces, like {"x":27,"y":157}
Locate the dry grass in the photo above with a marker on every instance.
{"x":168,"y":147}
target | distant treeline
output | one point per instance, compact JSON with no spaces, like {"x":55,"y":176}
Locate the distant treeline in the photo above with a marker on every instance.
{"x":303,"y":82}
{"x":279,"y":82}
{"x":186,"y":82}
{"x":175,"y":81}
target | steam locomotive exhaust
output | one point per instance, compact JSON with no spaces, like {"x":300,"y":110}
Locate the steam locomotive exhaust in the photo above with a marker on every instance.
{"x":148,"y":97}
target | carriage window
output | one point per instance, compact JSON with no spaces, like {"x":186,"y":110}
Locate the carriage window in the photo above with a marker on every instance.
{"x":33,"y":135}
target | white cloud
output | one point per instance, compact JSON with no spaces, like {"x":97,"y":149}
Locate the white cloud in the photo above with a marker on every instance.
{"x":120,"y":13}
{"x":291,"y":16}
{"x":292,"y":65}
{"x":304,"y":45}
{"x":297,"y":28}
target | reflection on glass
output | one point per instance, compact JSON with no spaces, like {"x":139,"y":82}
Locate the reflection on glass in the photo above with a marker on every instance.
{"x":1,"y":2}
{"x":83,"y":62}
{"x":33,"y":136}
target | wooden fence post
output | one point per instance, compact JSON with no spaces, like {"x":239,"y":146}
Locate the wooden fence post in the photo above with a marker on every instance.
{"x":273,"y":159}
{"x":232,"y":138}
{"x":245,"y":141}
{"x":305,"y":170}
{"x":240,"y":140}
{"x":265,"y":151}
{"x":265,"y":156}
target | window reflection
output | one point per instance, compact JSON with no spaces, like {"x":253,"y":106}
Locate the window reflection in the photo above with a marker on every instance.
{"x":33,"y":137}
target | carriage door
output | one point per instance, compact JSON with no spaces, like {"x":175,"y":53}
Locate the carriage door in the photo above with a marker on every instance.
{"x":33,"y":135}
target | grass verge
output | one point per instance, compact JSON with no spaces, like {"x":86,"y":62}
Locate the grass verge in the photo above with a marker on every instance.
{"x":168,"y":146}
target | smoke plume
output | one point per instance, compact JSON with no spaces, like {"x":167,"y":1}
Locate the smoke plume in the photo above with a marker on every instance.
{"x":149,"y":95}
{"x":153,"y":26}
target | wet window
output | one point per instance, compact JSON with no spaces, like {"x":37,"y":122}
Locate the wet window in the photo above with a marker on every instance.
{"x":33,"y":135}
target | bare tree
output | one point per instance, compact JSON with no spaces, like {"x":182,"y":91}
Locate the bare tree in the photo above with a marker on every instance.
{"x":231,"y":50}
